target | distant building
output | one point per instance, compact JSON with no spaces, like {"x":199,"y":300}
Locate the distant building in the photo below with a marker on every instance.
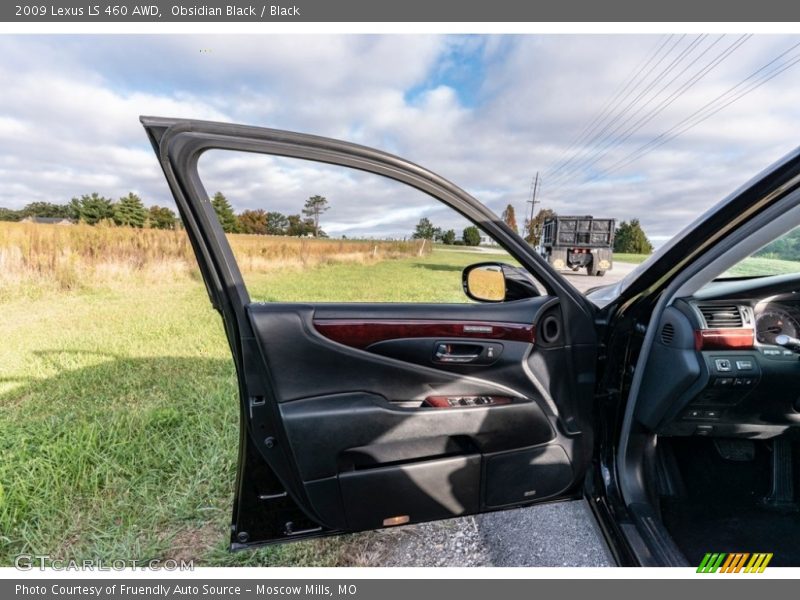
{"x":47,"y":220}
{"x":487,"y":241}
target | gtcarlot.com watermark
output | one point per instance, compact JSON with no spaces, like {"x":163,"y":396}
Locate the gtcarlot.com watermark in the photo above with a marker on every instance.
{"x":44,"y":562}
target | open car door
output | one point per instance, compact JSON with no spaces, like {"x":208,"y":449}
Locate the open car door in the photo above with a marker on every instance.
{"x":362,"y":416}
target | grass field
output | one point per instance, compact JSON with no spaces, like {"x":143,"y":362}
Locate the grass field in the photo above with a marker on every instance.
{"x":631,"y":258}
{"x":119,"y":425}
{"x":755,"y":266}
{"x":45,"y":259}
{"x":752,"y":266}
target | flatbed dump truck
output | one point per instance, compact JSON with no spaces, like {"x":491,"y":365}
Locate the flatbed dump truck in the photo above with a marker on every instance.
{"x":578,"y":243}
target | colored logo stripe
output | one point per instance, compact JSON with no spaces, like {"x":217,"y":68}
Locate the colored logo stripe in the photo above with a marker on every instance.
{"x":734,"y":562}
{"x":758,"y":563}
{"x":711,"y":562}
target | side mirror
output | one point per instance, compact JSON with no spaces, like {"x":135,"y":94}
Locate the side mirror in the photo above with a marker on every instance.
{"x":497,"y":282}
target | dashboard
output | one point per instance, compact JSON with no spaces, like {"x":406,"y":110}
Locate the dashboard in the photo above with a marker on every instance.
{"x":774,"y":318}
{"x":726,"y":362}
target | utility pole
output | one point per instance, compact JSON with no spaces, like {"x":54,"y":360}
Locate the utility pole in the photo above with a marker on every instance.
{"x":533,"y":201}
{"x":534,"y":189}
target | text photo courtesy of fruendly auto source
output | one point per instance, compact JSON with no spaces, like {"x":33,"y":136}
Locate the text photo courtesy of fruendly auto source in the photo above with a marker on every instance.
{"x":400,"y":300}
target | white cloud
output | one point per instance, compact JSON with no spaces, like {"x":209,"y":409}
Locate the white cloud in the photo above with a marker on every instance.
{"x":484,"y":111}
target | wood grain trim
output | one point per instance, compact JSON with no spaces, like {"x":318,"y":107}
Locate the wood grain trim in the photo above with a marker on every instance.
{"x":362,"y":334}
{"x":723,"y":339}
{"x":444,"y":402}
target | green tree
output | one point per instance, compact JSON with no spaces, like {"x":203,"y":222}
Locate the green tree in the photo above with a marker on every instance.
{"x":46,"y":209}
{"x":130,"y":212}
{"x":161,"y":217}
{"x":277,"y":223}
{"x":297,"y":226}
{"x":91,"y":209}
{"x":533,"y":227}
{"x":630,"y":238}
{"x":471,"y":236}
{"x":449,"y":237}
{"x":7,"y":214}
{"x":253,"y":221}
{"x":227,"y":218}
{"x":784,"y":248}
{"x":424,"y":230}
{"x":313,"y":208}
{"x":509,"y":217}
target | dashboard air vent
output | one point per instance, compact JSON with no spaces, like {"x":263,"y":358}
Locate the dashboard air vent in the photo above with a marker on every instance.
{"x":667,"y":334}
{"x":721,"y":316}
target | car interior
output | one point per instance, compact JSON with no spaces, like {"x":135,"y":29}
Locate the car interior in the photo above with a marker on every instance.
{"x":719,"y":405}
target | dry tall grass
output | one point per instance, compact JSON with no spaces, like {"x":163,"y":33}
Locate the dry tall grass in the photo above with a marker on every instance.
{"x":36,"y":257}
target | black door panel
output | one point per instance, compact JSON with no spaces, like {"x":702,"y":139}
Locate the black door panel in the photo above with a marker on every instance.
{"x":469,"y":357}
{"x":311,"y":365}
{"x":357,"y":430}
{"x":358,"y":416}
{"x":525,"y":475}
{"x":367,"y":442}
{"x":420,"y":491}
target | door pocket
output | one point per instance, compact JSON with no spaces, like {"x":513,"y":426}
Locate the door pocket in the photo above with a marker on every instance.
{"x":526,"y":475}
{"x":422,"y":491}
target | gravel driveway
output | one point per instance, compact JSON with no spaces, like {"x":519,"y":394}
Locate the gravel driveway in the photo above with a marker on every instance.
{"x":551,"y":535}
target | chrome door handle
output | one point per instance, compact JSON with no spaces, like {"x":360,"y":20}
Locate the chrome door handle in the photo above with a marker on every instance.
{"x":444,"y":354}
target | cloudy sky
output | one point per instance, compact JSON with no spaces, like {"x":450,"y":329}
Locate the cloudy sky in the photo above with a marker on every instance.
{"x":487,"y":112}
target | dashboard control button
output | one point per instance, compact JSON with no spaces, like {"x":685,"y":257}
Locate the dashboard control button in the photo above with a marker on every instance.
{"x":693,"y":414}
{"x":711,"y":414}
{"x":723,"y":382}
{"x":744,"y":365}
{"x":722,"y":364}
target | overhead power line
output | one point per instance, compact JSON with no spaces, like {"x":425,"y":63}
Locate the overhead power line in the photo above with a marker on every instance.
{"x":611,"y":144}
{"x":609,"y":107}
{"x":594,"y":133}
{"x":607,"y":132}
{"x":711,"y":108}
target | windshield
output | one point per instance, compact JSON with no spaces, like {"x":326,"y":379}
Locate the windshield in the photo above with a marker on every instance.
{"x":776,"y":258}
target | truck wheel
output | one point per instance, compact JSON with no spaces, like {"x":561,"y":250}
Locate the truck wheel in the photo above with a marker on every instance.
{"x":575,"y":268}
{"x":601,"y":273}
{"x":590,"y":270}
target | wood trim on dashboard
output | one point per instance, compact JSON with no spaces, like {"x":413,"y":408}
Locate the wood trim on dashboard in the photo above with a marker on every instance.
{"x":362,"y":333}
{"x":723,"y":339}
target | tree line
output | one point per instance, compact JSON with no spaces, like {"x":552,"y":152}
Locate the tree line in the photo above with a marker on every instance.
{"x":784,"y":248}
{"x":130,"y":211}
{"x":262,"y":222}
{"x":425,"y":230}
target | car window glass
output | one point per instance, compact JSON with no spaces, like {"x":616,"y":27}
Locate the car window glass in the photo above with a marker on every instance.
{"x":781,"y":256}
{"x":303,"y":231}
